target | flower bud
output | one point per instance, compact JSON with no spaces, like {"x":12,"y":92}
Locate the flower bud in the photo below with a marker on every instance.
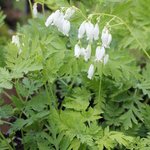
{"x":77,"y":51}
{"x":100,"y":52}
{"x":81,"y":30}
{"x":66,"y":27}
{"x":96,"y":32}
{"x":15,"y":40}
{"x":69,"y":12}
{"x":89,"y":30}
{"x":87,"y":53}
{"x":106,"y":58}
{"x":58,"y":19}
{"x":49,"y":20}
{"x":91,"y":71}
{"x":106,"y":37}
{"x":82,"y":51}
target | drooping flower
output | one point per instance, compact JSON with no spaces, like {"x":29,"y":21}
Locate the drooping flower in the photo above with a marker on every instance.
{"x":15,"y":40}
{"x":69,"y":12}
{"x":92,"y":32}
{"x":90,"y":71}
{"x":100,"y":52}
{"x":57,"y":19}
{"x":87,"y":53}
{"x":82,"y":51}
{"x":96,"y":32}
{"x":81,"y":30}
{"x":66,"y":27}
{"x":77,"y":51}
{"x":49,"y":20}
{"x":106,"y":58}
{"x":106,"y":37}
{"x":20,"y":51}
{"x":53,"y":19}
{"x":89,"y":27}
{"x":35,"y":11}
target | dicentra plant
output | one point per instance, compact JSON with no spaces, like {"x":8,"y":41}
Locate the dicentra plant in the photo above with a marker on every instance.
{"x":76,"y":87}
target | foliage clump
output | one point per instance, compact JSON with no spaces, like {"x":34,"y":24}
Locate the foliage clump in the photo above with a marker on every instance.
{"x":63,"y":104}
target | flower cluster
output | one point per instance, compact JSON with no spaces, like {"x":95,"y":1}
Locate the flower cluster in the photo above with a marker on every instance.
{"x":86,"y":53}
{"x":91,"y":32}
{"x":61,"y":20}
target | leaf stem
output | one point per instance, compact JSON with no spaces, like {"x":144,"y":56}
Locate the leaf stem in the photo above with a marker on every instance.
{"x":5,"y":122}
{"x":100,"y":82}
{"x":115,"y":25}
{"x":10,"y":148}
{"x":5,"y":93}
{"x":50,"y":97}
{"x":43,"y":10}
{"x":80,"y":12}
{"x":48,"y":94}
{"x":30,"y":4}
{"x":53,"y":97}
{"x":18,"y":94}
{"x":129,"y":29}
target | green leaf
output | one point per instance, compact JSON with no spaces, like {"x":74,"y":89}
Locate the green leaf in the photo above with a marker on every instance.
{"x":37,"y":103}
{"x":6,"y":111}
{"x":111,"y":138}
{"x":5,"y":79}
{"x":17,"y":102}
{"x":144,"y":84}
{"x":79,"y":100}
{"x":75,"y":144}
{"x":18,"y":124}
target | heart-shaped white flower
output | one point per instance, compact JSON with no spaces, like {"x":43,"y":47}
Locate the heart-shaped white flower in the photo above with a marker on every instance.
{"x":90,"y":71}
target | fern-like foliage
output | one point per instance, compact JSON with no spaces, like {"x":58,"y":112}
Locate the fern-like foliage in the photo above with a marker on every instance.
{"x":57,"y":107}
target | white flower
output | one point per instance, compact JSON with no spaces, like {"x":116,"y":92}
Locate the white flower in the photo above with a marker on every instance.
{"x":91,"y":71}
{"x":66,"y":27}
{"x":58,"y":19}
{"x":96,"y":32}
{"x":15,"y":40}
{"x":35,"y":12}
{"x":81,"y":30}
{"x":55,"y":19}
{"x":49,"y":20}
{"x":100,"y":52}
{"x":92,"y":32}
{"x":106,"y":58}
{"x":89,"y":30}
{"x":77,"y":51}
{"x":87,"y":53}
{"x":82,"y":51}
{"x":106,"y":37}
{"x":69,"y":12}
{"x":20,"y":51}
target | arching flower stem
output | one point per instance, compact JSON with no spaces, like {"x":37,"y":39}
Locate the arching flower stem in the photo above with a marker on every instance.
{"x":122,"y":22}
{"x":100,"y":82}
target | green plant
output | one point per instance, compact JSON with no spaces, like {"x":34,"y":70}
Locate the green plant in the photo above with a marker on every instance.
{"x":62,"y":104}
